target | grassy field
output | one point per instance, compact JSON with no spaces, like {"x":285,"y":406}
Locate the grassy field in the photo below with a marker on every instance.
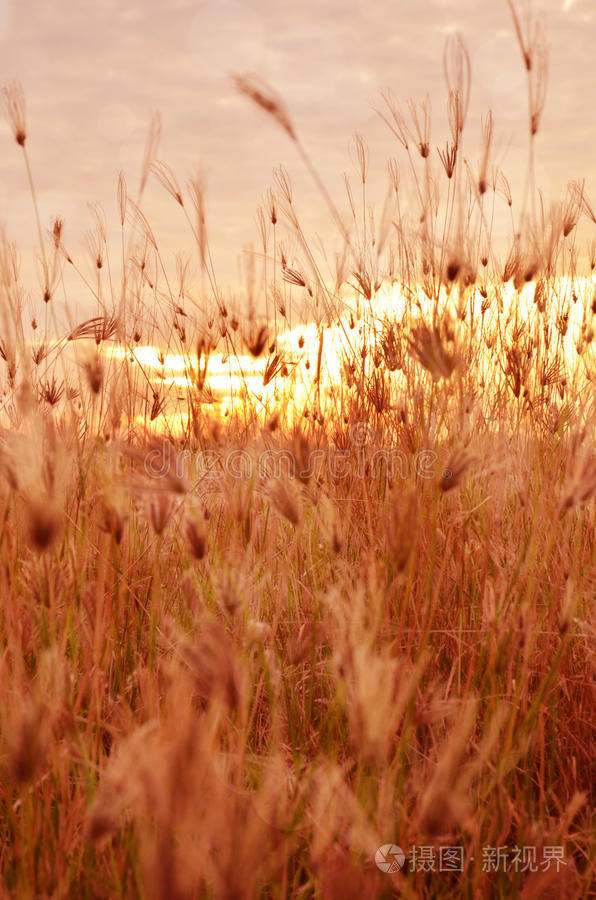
{"x":241,"y":653}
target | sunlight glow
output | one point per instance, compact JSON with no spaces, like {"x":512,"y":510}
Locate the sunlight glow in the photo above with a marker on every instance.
{"x":233,"y":380}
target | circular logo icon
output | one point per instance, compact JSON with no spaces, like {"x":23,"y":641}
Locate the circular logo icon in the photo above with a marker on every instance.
{"x":390,"y":858}
{"x":361,"y":434}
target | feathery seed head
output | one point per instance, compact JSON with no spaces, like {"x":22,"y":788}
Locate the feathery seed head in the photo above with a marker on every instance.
{"x":196,"y":537}
{"x":13,"y":101}
{"x":94,"y":372}
{"x":263,"y":95}
{"x":57,"y":232}
{"x":160,"y":512}
{"x":43,"y":522}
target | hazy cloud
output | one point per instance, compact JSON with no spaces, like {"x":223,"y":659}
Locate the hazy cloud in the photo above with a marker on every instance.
{"x":94,"y":72}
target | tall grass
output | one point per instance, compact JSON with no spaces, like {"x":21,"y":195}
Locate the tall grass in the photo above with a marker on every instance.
{"x":242,"y":652}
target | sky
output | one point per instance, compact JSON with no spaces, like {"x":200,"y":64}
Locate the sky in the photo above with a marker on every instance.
{"x":93,"y":73}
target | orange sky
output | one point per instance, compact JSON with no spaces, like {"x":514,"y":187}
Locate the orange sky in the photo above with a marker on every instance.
{"x":94,"y":72}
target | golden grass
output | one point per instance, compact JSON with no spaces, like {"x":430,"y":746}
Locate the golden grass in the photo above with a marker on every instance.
{"x":238,"y":658}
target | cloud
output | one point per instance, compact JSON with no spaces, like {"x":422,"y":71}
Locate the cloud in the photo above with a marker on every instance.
{"x":313,"y":73}
{"x":93,"y":73}
{"x":225,"y":36}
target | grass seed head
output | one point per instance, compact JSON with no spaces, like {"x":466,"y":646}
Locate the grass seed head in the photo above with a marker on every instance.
{"x":43,"y":523}
{"x":27,"y":744}
{"x":282,"y":493}
{"x":263,"y":95}
{"x":94,"y":373}
{"x":161,"y":507}
{"x":196,"y":537}
{"x":13,"y":101}
{"x":211,"y":660}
